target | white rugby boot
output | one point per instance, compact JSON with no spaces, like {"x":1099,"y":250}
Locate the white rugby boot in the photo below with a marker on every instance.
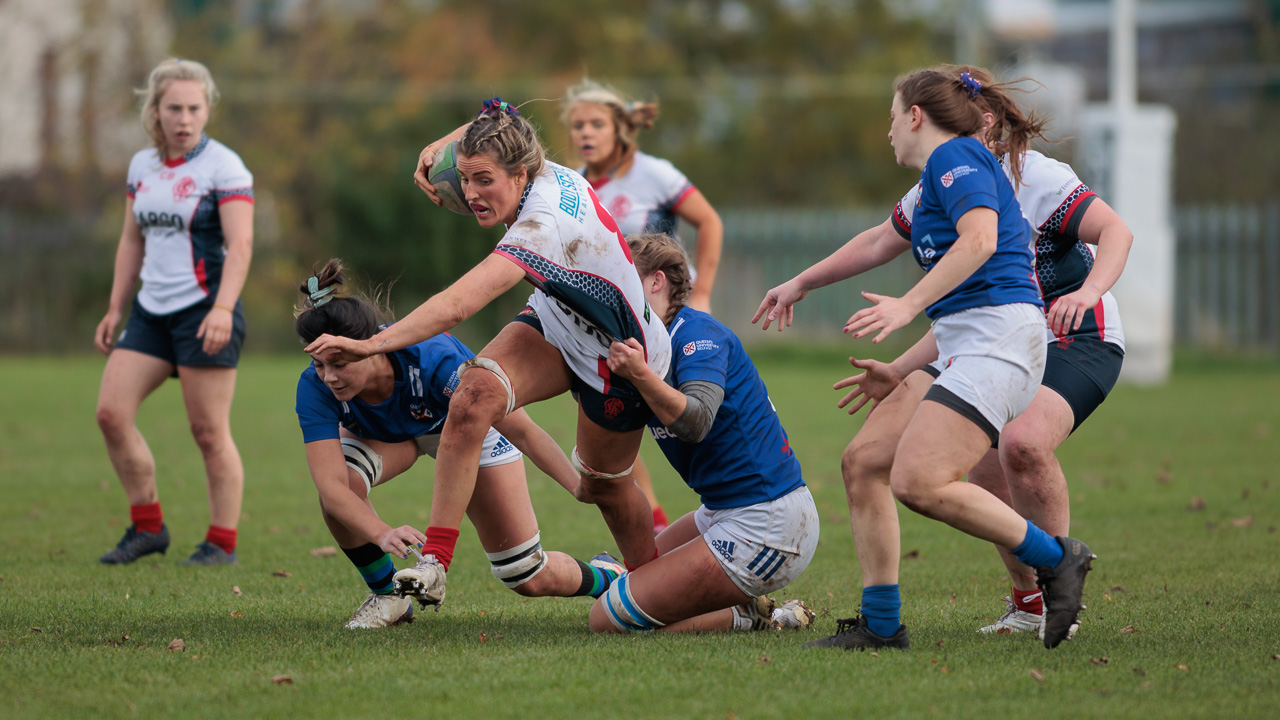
{"x":793,"y":614}
{"x":1020,"y":621}
{"x":382,"y":611}
{"x":424,"y":582}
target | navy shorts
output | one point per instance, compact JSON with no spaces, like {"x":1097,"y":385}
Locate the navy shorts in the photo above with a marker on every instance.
{"x":1083,"y":370}
{"x":172,"y":337}
{"x":621,"y":409}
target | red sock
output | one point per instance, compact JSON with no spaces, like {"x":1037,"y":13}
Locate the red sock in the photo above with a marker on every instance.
{"x":223,"y":537}
{"x":1031,"y":601}
{"x":660,"y":521}
{"x":147,"y":518}
{"x":441,"y":542}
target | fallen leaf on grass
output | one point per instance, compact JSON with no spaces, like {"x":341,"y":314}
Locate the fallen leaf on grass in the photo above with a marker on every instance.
{"x":1128,"y":629}
{"x":1184,"y":667}
{"x":281,"y":573}
{"x":764,"y":660}
{"x":1002,"y":630}
{"x":933,"y":661}
{"x":177,"y":644}
{"x":282,"y":680}
{"x":1099,"y":660}
{"x":953,"y":597}
{"x":1139,"y":672}
{"x":913,"y":555}
{"x":876,"y":654}
{"x":323,"y":552}
{"x":1275,"y":657}
{"x":1164,"y":477}
{"x":938,"y":644}
{"x":484,"y":638}
{"x":1036,"y":675}
{"x":273,"y":530}
{"x":1197,"y":503}
{"x":1245,"y":521}
{"x":1244,"y":494}
{"x":730,"y":715}
{"x":301,"y":529}
{"x":1144,"y":685}
{"x":236,"y":614}
{"x":1117,"y":588}
{"x":36,"y":630}
{"x":235,"y":590}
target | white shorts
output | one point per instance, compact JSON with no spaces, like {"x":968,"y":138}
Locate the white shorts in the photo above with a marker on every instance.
{"x":763,"y":547}
{"x":992,"y":359}
{"x":497,"y":450}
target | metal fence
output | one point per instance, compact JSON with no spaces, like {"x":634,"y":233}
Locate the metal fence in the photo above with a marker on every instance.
{"x":1227,"y":283}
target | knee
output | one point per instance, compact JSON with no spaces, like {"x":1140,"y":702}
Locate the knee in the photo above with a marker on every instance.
{"x":209,"y":437}
{"x":595,"y":490}
{"x":476,"y":405}
{"x":111,"y":422}
{"x":864,"y":464}
{"x":540,"y":585}
{"x":1021,"y":455}
{"x":911,"y":492}
{"x":599,"y":618}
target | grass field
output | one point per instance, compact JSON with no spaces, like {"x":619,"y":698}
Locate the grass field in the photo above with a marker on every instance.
{"x":1175,"y":488}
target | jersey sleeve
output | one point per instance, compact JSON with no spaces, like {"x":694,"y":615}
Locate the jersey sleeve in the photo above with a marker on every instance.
{"x":232,"y":181}
{"x":700,"y":351}
{"x":1051,"y":195}
{"x":674,"y":188}
{"x":135,"y":175}
{"x":904,"y":211}
{"x":962,"y":180}
{"x":317,"y":408}
{"x":444,"y":366}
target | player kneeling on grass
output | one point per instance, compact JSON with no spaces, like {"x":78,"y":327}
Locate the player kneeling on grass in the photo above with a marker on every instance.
{"x":368,"y":421}
{"x":757,"y":528}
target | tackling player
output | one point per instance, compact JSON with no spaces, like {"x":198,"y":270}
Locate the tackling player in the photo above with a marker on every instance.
{"x":587,"y":292}
{"x":188,"y":234}
{"x":757,"y":528}
{"x":368,"y":421}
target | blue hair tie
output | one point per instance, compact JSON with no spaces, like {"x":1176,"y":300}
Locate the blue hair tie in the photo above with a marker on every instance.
{"x":971,"y":84}
{"x":497,"y":106}
{"x":318,"y":296}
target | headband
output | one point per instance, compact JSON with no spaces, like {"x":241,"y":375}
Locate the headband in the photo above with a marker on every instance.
{"x":971,"y":84}
{"x":318,"y":296}
{"x":497,"y":106}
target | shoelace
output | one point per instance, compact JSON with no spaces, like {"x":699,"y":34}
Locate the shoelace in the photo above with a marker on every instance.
{"x":848,"y":624}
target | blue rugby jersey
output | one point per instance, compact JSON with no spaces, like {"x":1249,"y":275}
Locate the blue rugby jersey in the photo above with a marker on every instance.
{"x":746,"y":458}
{"x":426,"y":375}
{"x":959,"y":176}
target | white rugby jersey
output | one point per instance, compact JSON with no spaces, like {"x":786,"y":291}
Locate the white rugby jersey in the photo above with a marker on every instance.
{"x":646,"y":197}
{"x":1053,"y":200}
{"x":175,"y":202}
{"x":588,"y":290}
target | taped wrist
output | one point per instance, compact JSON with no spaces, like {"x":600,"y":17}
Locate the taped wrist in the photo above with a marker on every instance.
{"x":702,"y":403}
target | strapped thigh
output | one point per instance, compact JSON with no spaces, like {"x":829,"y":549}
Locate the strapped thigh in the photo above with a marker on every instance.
{"x":517,"y":566}
{"x":496,"y":369}
{"x":576,"y":460}
{"x":362,"y":459}
{"x":622,"y":609}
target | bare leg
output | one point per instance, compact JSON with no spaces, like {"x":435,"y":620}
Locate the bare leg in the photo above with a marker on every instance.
{"x":621,"y":502}
{"x":208,"y":393}
{"x":873,"y":513}
{"x":127,"y":380}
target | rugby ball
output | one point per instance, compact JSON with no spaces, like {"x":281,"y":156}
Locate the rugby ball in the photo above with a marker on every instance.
{"x":447,"y":181}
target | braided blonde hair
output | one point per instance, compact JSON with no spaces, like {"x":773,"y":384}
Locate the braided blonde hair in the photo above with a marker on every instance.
{"x":509,"y":139}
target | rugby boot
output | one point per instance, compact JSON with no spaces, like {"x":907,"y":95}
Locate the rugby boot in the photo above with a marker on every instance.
{"x":758,"y":611}
{"x":793,"y":614}
{"x":209,"y":554}
{"x":424,"y":582}
{"x":1019,"y":621}
{"x":1063,"y":587}
{"x":135,"y":544}
{"x":853,"y":634}
{"x":382,"y":611}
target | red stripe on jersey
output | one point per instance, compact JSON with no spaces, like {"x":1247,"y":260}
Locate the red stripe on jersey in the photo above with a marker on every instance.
{"x":599,"y":182}
{"x":1075,"y":204}
{"x":683,"y":196}
{"x":175,"y":162}
{"x":602,"y":369}
{"x":900,"y":221}
{"x":229,"y":198}
{"x":200,"y":274}
{"x":1098,"y":316}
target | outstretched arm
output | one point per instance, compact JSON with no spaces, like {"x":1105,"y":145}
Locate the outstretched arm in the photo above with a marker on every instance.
{"x":540,"y":447}
{"x":486,"y":281}
{"x":878,"y":379}
{"x":330,"y":474}
{"x":868,"y":249}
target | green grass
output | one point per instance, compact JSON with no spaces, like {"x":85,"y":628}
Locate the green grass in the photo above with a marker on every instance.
{"x":77,"y":639}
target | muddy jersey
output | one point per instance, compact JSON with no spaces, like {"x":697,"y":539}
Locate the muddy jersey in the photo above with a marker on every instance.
{"x":175,"y":202}
{"x":1054,"y":201}
{"x":587,"y":289}
{"x":646,"y":197}
{"x":426,"y":375}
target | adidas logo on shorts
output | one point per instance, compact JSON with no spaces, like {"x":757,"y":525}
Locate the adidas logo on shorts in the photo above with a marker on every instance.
{"x":724,"y":548}
{"x":503,"y":447}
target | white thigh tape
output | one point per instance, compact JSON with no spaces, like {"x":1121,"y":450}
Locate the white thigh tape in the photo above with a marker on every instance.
{"x":517,"y":566}
{"x":362,"y":459}
{"x":582,"y":468}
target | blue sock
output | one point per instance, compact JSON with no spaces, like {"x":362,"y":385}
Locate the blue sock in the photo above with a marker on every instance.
{"x":882,"y":606}
{"x":1038,"y":548}
{"x":374,"y":566}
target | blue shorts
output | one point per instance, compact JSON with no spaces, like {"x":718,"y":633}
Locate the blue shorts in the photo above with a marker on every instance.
{"x":621,"y":409}
{"x":172,"y":337}
{"x":1083,"y":370}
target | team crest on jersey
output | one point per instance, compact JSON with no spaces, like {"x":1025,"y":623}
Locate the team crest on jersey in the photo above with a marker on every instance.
{"x":955,"y":174}
{"x":696,"y":345}
{"x":420,"y":411}
{"x":183,"y":188}
{"x":619,"y":206}
{"x":613,"y":407}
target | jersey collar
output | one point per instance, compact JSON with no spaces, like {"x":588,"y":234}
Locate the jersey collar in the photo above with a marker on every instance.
{"x":195,"y":152}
